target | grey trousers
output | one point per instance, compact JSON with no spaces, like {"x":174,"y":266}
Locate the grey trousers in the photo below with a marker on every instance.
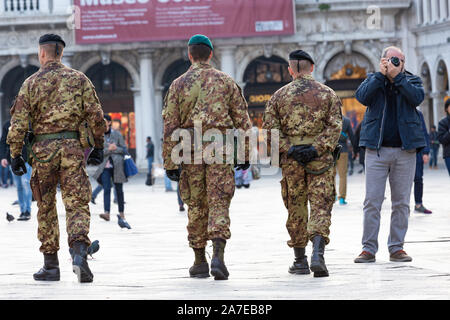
{"x":399,"y":166}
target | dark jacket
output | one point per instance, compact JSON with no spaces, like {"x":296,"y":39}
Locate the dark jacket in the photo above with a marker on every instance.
{"x":372,"y":93}
{"x":434,"y":142}
{"x":444,"y":135}
{"x":347,"y":133}
{"x":4,"y":147}
{"x":425,"y":150}
{"x":150,"y":150}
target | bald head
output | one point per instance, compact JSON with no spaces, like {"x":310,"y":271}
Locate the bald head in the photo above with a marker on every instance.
{"x":393,"y":52}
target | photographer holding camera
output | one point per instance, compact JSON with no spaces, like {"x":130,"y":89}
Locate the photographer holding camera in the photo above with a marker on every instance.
{"x":392,"y":134}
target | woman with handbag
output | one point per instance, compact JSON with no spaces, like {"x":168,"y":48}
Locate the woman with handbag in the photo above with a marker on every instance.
{"x":112,"y":168}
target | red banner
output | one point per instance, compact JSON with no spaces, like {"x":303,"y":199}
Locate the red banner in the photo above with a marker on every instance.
{"x":106,"y":21}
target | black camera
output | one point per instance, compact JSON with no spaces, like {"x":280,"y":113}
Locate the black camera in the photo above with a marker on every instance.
{"x":395,"y":61}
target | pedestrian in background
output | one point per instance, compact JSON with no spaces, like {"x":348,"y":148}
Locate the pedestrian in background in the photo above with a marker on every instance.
{"x":342,"y":163}
{"x":112,"y":168}
{"x":150,"y":154}
{"x":443,"y":135}
{"x":99,"y":189}
{"x":6,"y":176}
{"x":422,"y":157}
{"x":360,"y":152}
{"x":180,"y":201}
{"x":434,"y":147}
{"x":391,"y":96}
{"x":243,"y":178}
{"x":351,"y":160}
{"x":22,"y":182}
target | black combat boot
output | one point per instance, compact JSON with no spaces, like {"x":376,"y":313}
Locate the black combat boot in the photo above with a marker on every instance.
{"x":317,"y":261}
{"x":300,"y":265}
{"x":79,"y":263}
{"x":200,"y":269}
{"x":50,"y":270}
{"x":218,"y":268}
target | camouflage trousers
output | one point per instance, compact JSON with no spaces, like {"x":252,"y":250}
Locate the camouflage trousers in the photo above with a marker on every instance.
{"x":68,"y":168}
{"x":297,"y":187}
{"x":207,"y":190}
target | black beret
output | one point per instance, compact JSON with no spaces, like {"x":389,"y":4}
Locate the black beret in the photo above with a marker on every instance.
{"x":300,"y":55}
{"x":107,"y":117}
{"x":51,"y":38}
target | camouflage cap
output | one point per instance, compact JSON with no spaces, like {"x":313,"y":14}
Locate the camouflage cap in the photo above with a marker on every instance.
{"x":51,"y":38}
{"x":200,"y":39}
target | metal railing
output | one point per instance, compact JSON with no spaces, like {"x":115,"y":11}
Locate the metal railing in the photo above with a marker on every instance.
{"x":20,"y":6}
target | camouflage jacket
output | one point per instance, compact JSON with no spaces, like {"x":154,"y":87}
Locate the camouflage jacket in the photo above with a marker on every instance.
{"x":55,"y":99}
{"x":202,"y":94}
{"x":305,"y":108}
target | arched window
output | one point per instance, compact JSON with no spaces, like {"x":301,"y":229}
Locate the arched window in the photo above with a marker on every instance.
{"x":10,"y":87}
{"x":173,"y":71}
{"x":262,"y":77}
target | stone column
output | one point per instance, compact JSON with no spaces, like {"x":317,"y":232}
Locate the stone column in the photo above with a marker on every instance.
{"x":228,"y":61}
{"x":159,"y":124}
{"x":140,"y":135}
{"x":434,"y":11}
{"x":438,"y":106}
{"x":426,"y":11}
{"x":419,"y":11}
{"x":443,"y":10}
{"x":448,"y":9}
{"x":147,"y":101}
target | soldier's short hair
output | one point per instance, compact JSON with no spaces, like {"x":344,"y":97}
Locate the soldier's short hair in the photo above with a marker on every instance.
{"x":50,"y":50}
{"x":199,"y":52}
{"x":300,"y":65}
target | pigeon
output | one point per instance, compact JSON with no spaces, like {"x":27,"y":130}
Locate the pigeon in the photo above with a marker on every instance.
{"x":122,"y":223}
{"x":93,"y":248}
{"x":9,"y":217}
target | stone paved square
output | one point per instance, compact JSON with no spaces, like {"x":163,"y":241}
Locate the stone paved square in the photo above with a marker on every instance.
{"x":151,"y":260}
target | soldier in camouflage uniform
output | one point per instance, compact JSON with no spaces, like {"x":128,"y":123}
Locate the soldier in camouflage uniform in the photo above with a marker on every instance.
{"x":308,"y":117}
{"x":212,"y":97}
{"x":53,"y":102}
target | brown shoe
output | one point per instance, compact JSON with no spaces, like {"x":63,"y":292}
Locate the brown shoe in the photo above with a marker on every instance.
{"x":365,"y":257}
{"x":105,"y":216}
{"x":400,"y":256}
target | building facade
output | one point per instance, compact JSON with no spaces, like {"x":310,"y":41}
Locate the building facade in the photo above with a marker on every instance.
{"x":345,"y":38}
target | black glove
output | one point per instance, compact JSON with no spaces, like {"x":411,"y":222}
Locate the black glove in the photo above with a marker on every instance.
{"x":174,"y":175}
{"x":303,"y":154}
{"x":18,"y":166}
{"x":96,"y":157}
{"x":242,"y":166}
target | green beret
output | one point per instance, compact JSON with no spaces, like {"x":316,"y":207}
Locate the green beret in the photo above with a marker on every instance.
{"x":200,"y":39}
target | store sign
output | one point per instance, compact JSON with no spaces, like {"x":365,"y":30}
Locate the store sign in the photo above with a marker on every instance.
{"x":259,"y":98}
{"x":109,"y":21}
